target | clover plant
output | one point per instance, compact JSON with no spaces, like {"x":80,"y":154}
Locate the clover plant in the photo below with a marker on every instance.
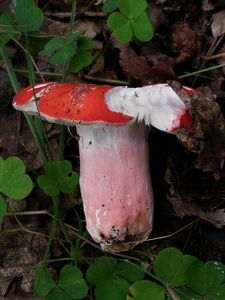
{"x":70,"y":285}
{"x":14,"y":183}
{"x":131,"y":20}
{"x":185,"y":275}
{"x":58,"y":178}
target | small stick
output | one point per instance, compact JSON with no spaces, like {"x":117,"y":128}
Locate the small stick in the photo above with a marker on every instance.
{"x":27,"y":213}
{"x":172,"y":234}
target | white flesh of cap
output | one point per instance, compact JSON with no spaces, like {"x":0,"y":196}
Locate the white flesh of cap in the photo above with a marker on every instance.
{"x":157,"y":105}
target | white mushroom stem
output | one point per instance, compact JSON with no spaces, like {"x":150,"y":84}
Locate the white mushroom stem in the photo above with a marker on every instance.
{"x":115,"y":184}
{"x":157,"y":105}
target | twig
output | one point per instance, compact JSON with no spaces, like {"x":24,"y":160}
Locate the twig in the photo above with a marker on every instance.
{"x":202,"y":71}
{"x":64,"y":78}
{"x":172,"y":234}
{"x":55,"y":201}
{"x":44,"y":73}
{"x":215,"y":43}
{"x":27,"y":213}
{"x":213,"y":56}
{"x":62,"y":15}
{"x":30,"y":56}
{"x":23,"y":229}
{"x":172,"y":294}
{"x":99,"y":79}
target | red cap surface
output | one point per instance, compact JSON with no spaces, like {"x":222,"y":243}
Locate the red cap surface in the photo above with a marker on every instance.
{"x":28,"y":94}
{"x":184,"y":119}
{"x":70,"y":103}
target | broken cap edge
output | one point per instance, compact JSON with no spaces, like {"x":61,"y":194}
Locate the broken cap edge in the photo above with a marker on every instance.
{"x":157,"y":105}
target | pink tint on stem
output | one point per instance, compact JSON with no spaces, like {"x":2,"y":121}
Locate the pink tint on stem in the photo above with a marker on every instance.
{"x":116,"y":185}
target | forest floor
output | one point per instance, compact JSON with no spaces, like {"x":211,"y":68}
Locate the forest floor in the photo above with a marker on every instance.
{"x":189,"y":185}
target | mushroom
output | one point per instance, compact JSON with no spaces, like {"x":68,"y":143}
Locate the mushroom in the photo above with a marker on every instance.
{"x":115,"y":178}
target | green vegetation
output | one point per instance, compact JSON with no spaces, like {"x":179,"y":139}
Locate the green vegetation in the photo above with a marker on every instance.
{"x":173,"y":273}
{"x":107,"y":278}
{"x":132,"y":20}
{"x":14,"y":183}
{"x":70,"y":285}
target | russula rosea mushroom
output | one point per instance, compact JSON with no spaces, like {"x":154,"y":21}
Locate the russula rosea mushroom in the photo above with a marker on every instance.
{"x":114,"y":170}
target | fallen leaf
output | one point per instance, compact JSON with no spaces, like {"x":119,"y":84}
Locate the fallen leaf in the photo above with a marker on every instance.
{"x":132,"y":64}
{"x":183,"y":41}
{"x":54,"y":27}
{"x":98,"y":66}
{"x":207,"y":5}
{"x":157,"y":15}
{"x":218,"y":23}
{"x":182,"y":194}
{"x":62,"y":5}
{"x":88,"y":28}
{"x":4,"y":286}
{"x":136,"y":67}
{"x":182,"y":209}
{"x":155,"y":54}
{"x":160,"y":72}
{"x":207,"y":135}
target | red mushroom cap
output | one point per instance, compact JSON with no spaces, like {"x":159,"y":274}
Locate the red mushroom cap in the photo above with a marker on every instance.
{"x":184,"y":119}
{"x":70,"y":103}
{"x":28,"y":94}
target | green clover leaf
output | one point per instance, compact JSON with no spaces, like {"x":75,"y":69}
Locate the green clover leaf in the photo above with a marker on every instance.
{"x":112,"y":278}
{"x":142,"y":28}
{"x":132,"y":8}
{"x":83,"y":56}
{"x":61,"y":48}
{"x":28,"y":16}
{"x":146,"y":290}
{"x":171,"y":265}
{"x":3,"y":207}
{"x":72,"y":282}
{"x":58,"y":177}
{"x":112,"y":288}
{"x":109,"y":6}
{"x":14,"y":183}
{"x":58,"y":294}
{"x":120,"y":27}
{"x":131,"y":20}
{"x":7,"y":28}
{"x":206,"y":277}
{"x":44,"y":282}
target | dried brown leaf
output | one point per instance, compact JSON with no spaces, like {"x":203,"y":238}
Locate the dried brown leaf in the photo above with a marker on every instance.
{"x":98,"y":66}
{"x":157,"y":14}
{"x":207,"y":5}
{"x":137,"y":67}
{"x":218,"y":23}
{"x":155,"y":54}
{"x":182,"y":209}
{"x":62,"y":5}
{"x":88,"y":28}
{"x":181,"y":196}
{"x":132,"y":64}
{"x":160,"y":72}
{"x":207,"y":135}
{"x":183,"y":41}
{"x":54,"y":27}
